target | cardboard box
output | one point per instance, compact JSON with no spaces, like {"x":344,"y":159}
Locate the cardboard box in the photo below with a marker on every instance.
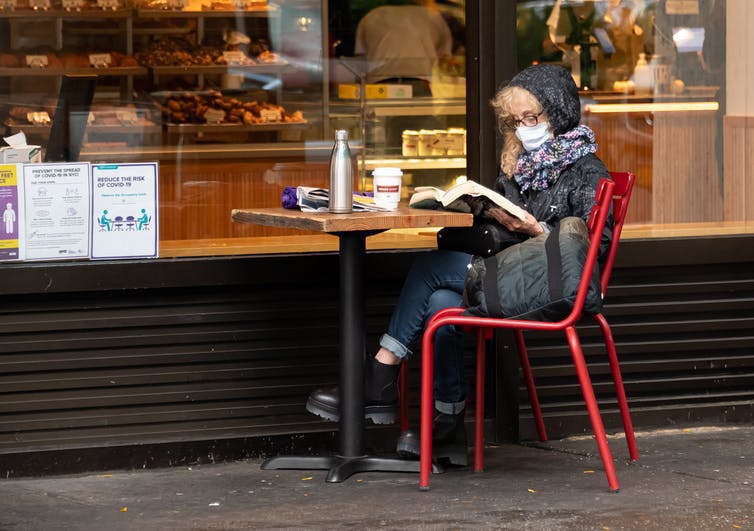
{"x":378,"y":91}
{"x":18,"y":151}
{"x":21,"y":154}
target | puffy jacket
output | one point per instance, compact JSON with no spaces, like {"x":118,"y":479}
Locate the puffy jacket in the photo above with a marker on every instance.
{"x":536,"y":279}
{"x":571,"y":195}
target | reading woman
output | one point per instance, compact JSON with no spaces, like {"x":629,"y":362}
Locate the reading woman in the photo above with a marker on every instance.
{"x":549,"y":168}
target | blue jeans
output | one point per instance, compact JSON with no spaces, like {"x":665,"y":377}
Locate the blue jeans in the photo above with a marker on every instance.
{"x":434,"y":282}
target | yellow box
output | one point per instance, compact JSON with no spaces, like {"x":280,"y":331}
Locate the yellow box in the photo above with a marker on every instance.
{"x":378,"y":91}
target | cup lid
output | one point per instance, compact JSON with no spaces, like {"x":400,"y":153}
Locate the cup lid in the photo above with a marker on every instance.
{"x":387,"y":172}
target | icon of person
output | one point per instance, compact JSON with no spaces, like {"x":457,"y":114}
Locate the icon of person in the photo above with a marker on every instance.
{"x":104,"y":220}
{"x":142,"y":219}
{"x":9,"y":217}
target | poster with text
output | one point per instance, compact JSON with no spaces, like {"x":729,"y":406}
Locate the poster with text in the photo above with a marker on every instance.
{"x":124,"y":208}
{"x":56,"y":211}
{"x":10,"y":206}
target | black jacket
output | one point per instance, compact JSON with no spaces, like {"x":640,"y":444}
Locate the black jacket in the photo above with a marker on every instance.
{"x":571,"y":195}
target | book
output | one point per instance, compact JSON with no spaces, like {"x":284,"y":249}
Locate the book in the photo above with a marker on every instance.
{"x":311,"y":199}
{"x":433,"y":197}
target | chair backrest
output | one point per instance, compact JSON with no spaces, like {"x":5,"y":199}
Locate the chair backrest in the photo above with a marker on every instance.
{"x":596,"y":225}
{"x":624,"y":183}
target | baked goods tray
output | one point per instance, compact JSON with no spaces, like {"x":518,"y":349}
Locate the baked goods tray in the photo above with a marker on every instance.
{"x":232,"y":128}
{"x":56,"y":72}
{"x":88,"y":13}
{"x":149,"y":128}
{"x":219,"y":69}
{"x":261,"y":11}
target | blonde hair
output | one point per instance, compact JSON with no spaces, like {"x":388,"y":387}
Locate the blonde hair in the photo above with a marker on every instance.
{"x":512,"y":146}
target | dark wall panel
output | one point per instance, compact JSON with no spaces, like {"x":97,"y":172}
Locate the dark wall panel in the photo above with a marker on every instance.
{"x":175,"y":355}
{"x":233,"y":353}
{"x":684,"y":335}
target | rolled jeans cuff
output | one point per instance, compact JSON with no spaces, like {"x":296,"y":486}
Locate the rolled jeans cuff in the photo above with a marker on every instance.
{"x":450,"y":408}
{"x":395,"y":346}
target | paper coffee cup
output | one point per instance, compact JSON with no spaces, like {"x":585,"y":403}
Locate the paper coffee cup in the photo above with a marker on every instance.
{"x":387,"y":187}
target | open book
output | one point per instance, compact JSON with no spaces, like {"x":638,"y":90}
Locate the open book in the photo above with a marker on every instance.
{"x":432,"y":197}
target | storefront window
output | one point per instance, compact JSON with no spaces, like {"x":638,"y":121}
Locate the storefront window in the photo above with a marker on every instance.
{"x":237,"y":100}
{"x":656,"y":87}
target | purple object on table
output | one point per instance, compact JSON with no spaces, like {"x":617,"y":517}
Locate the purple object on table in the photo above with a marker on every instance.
{"x":290,"y":199}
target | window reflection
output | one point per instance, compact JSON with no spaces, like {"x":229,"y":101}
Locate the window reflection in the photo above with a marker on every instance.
{"x":652,"y":76}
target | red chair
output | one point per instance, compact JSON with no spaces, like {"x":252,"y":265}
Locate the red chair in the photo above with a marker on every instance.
{"x":486,"y":325}
{"x":624,"y":183}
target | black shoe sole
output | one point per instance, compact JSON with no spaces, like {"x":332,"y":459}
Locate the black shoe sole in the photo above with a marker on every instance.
{"x":455,"y":454}
{"x":322,"y":410}
{"x":377,"y":414}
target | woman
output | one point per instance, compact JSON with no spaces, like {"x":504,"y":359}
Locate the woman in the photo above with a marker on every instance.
{"x":548,"y":167}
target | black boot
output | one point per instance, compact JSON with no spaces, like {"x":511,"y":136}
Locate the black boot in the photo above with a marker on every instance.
{"x":448,"y":440}
{"x":380,"y":395}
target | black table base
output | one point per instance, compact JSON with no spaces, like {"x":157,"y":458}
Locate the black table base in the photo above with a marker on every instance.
{"x":341,"y":468}
{"x":351,"y":457}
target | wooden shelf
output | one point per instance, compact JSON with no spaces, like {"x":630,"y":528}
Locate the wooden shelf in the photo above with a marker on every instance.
{"x":88,"y":13}
{"x":114,"y":71}
{"x":269,"y":68}
{"x":233,"y":128}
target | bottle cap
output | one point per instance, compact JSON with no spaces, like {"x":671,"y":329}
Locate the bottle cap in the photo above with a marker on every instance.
{"x":341,"y":134}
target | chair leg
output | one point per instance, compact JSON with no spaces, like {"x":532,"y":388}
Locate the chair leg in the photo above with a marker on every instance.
{"x":530,"y":387}
{"x":620,"y":392}
{"x":425,"y":424}
{"x":481,"y":343}
{"x":591,"y":405}
{"x":403,"y":395}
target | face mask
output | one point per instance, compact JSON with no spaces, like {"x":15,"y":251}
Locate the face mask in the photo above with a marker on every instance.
{"x":533,"y":137}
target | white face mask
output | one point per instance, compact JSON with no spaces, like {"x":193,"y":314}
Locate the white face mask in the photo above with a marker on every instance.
{"x":533,"y":137}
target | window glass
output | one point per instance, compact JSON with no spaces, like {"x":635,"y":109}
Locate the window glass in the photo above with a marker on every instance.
{"x":239,"y":99}
{"x":653,"y":83}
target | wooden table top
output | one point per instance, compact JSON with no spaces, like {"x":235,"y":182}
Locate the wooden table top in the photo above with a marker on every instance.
{"x":403,"y":218}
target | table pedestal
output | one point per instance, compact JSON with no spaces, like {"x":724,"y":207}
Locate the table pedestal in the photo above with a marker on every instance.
{"x":351,"y":458}
{"x":341,"y":468}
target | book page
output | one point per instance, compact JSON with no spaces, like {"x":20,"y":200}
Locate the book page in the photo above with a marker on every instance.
{"x":477,"y":190}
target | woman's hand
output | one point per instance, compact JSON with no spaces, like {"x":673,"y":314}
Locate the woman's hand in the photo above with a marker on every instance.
{"x":529,"y":226}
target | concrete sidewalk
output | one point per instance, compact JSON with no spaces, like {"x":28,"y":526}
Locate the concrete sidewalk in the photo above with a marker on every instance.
{"x":697,"y":478}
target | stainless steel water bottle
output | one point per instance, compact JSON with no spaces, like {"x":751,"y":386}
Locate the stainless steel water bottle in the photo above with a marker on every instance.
{"x":341,"y":175}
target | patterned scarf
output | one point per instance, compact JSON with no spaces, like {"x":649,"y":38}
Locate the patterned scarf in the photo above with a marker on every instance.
{"x":540,"y":168}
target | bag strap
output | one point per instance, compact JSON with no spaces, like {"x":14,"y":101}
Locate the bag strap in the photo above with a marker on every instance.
{"x":554,"y":274}
{"x":554,"y":264}
{"x":489,"y":287}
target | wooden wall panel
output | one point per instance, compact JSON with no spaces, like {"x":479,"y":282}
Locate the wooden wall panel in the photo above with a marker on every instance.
{"x":687,"y":183}
{"x":196,"y":198}
{"x":625,"y":144}
{"x":739,"y":158}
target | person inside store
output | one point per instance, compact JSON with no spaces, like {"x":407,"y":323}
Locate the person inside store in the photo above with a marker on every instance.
{"x":402,"y":41}
{"x":548,"y":166}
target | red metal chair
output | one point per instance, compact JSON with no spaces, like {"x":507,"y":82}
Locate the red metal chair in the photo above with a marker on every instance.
{"x":485,"y":327}
{"x":624,"y":182}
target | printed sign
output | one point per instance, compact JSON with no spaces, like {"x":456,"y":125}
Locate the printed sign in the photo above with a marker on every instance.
{"x":682,"y":7}
{"x":56,"y":211}
{"x":124,"y":210}
{"x":9,"y":204}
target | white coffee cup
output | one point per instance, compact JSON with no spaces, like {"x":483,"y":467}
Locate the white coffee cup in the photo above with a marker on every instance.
{"x":387,"y":187}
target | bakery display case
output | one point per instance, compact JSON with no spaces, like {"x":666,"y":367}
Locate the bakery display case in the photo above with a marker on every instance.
{"x":425,"y":137}
{"x":235,"y":100}
{"x":167,"y":73}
